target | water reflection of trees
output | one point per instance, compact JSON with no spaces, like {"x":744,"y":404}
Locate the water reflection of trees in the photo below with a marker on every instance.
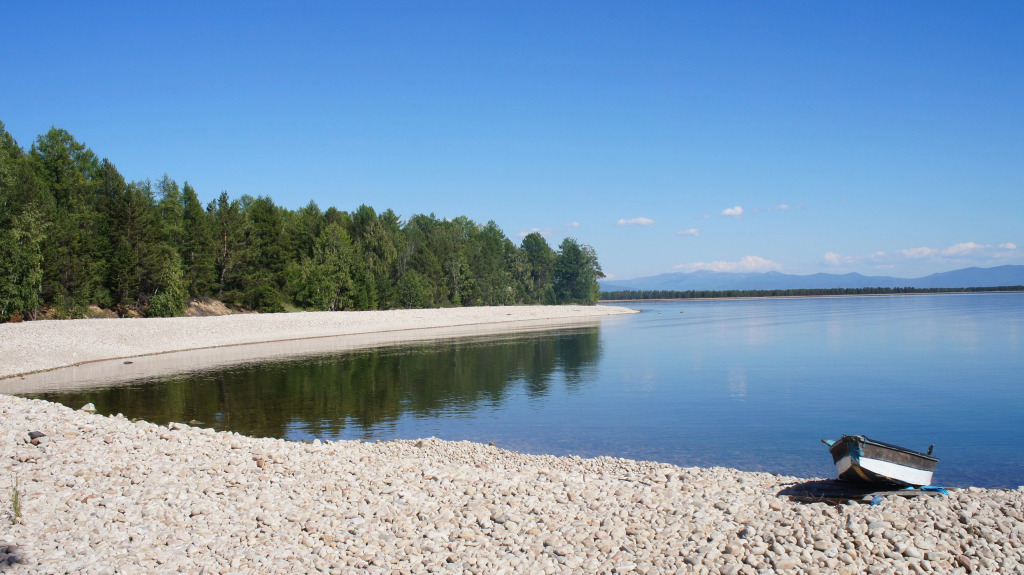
{"x":325,"y":395}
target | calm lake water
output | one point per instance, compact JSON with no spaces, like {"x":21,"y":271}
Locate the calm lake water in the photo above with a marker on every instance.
{"x":751,"y":384}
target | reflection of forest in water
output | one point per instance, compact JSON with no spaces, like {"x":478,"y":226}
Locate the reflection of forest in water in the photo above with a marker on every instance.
{"x":325,"y":396}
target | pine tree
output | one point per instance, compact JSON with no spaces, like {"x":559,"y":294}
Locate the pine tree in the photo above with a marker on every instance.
{"x":576,"y":273}
{"x":197,"y":248}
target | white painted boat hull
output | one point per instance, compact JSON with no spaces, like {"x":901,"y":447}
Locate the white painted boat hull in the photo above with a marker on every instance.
{"x":868,"y":469}
{"x":858,"y":458}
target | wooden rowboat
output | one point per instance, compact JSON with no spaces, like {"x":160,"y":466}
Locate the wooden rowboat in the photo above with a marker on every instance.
{"x":858,"y":458}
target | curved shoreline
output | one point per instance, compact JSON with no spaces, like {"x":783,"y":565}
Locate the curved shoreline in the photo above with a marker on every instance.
{"x":39,"y":346}
{"x":103,"y":494}
{"x":107,"y":495}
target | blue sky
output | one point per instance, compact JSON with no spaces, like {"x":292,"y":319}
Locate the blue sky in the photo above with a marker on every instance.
{"x":876,"y":137}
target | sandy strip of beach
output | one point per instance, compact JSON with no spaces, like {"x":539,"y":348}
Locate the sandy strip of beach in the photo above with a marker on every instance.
{"x":46,"y":345}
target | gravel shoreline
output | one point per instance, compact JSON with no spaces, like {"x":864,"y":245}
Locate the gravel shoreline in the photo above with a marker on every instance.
{"x":108,"y":495}
{"x":102,"y":494}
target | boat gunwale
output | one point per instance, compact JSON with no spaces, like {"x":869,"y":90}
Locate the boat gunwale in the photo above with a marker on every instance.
{"x":869,"y":441}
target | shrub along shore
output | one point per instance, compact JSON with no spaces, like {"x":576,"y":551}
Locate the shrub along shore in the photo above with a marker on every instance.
{"x":86,"y":493}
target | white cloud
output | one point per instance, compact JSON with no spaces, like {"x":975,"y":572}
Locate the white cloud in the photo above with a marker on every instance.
{"x":965,"y":253}
{"x":877,"y":259}
{"x":635,"y":222}
{"x":690,"y":232}
{"x":745,"y":264}
{"x":835,"y":259}
{"x":572,"y":225}
{"x":963,"y":249}
{"x":738,"y":211}
{"x":918,"y":253}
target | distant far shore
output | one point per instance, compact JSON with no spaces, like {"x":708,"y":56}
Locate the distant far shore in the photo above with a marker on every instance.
{"x":781,"y":294}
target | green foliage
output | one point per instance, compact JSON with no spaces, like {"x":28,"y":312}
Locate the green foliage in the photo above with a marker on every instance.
{"x":171,"y":293}
{"x":376,"y":252}
{"x":21,"y":269}
{"x":171,"y":211}
{"x":10,"y":152}
{"x":74,"y":233}
{"x":412,"y":291}
{"x":226,"y":221}
{"x":73,"y":258}
{"x":576,"y":273}
{"x":140,"y":255}
{"x":539,"y":269}
{"x":492,"y":267}
{"x":262,"y":260}
{"x":197,"y":248}
{"x":321,"y":280}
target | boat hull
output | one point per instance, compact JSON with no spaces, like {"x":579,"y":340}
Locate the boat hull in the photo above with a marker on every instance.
{"x":858,"y":458}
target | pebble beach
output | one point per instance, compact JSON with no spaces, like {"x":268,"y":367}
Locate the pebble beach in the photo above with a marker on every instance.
{"x":86,"y":493}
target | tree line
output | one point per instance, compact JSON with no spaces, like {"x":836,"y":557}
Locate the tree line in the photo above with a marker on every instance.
{"x":75,"y":234}
{"x":710,"y":294}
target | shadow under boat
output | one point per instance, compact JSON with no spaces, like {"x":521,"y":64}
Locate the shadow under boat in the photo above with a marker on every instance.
{"x":838,"y":491}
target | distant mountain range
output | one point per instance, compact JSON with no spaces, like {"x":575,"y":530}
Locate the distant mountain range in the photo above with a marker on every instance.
{"x":708,"y":280}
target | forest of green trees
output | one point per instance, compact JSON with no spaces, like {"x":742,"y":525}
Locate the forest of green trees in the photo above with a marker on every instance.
{"x":622,"y":295}
{"x":75,"y":234}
